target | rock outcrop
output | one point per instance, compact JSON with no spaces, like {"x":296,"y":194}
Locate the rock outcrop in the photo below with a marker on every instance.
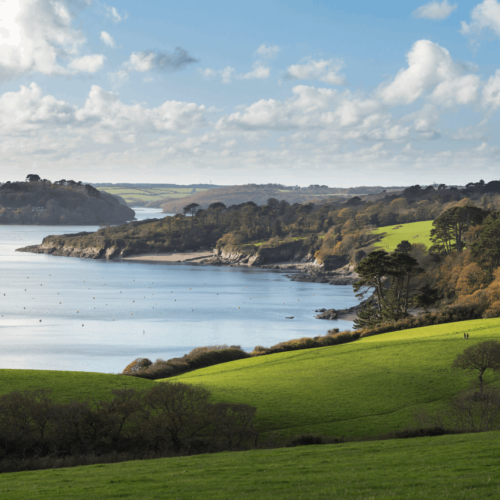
{"x":329,"y":314}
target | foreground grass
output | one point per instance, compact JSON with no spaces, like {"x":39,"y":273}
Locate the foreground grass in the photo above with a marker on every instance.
{"x":414,"y":232}
{"x":363,"y":389}
{"x":463,"y":466}
{"x":68,"y":386}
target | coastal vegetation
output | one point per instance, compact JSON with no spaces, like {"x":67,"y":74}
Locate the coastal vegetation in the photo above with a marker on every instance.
{"x":64,"y":202}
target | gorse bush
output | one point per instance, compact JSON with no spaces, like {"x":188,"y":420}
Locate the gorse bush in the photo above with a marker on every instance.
{"x":199,"y":357}
{"x":169,"y":418}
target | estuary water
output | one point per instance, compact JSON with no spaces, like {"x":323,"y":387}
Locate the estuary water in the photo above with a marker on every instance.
{"x":65,"y":313}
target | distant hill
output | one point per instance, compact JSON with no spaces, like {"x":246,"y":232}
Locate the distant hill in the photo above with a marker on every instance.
{"x":151,"y":195}
{"x":260,"y":193}
{"x":62,"y":202}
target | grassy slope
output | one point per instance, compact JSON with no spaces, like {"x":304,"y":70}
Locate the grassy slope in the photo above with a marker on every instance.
{"x":414,"y":232}
{"x":365,"y":388}
{"x":153,"y":194}
{"x":459,"y":467}
{"x":67,"y":386}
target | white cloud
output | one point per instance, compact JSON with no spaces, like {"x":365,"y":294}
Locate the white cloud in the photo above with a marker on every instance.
{"x":485,"y":15}
{"x":227,"y":74}
{"x":324,"y":71}
{"x":268,"y":51}
{"x":108,"y":39}
{"x":430,"y":67}
{"x":259,"y":72}
{"x":460,"y":90}
{"x":88,"y":64}
{"x":435,"y":10}
{"x":113,"y":14}
{"x":491,"y":92}
{"x":148,"y":60}
{"x":37,"y":35}
{"x":208,"y":73}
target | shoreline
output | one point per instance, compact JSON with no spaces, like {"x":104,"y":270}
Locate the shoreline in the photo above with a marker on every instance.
{"x":170,"y":257}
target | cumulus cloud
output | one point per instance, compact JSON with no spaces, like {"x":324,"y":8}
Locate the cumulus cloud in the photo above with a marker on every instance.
{"x":87,"y":64}
{"x":259,"y":71}
{"x":104,"y":118}
{"x":435,"y":10}
{"x":108,"y":39}
{"x":491,"y":92}
{"x":430,"y":67}
{"x":268,"y":51}
{"x":38,"y":36}
{"x":227,"y":74}
{"x":324,"y":71}
{"x":112,"y":13}
{"x":486,"y":15}
{"x":148,"y":60}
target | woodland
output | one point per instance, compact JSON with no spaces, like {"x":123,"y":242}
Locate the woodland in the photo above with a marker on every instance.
{"x":64,"y":202}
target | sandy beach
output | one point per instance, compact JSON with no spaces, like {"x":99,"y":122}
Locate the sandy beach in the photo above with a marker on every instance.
{"x":171,"y":257}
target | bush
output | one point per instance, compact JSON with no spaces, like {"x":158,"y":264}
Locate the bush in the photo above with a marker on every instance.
{"x":167,"y":419}
{"x":305,"y":440}
{"x":200,"y":357}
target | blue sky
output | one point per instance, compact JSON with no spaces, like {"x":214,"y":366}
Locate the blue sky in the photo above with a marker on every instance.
{"x":337,"y":93}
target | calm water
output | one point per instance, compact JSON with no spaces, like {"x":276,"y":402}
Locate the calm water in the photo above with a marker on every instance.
{"x":76,"y":314}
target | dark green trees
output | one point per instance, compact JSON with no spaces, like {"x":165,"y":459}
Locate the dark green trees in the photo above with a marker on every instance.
{"x":451,"y":226}
{"x":191,"y":210}
{"x":486,"y":249}
{"x":390,"y":276}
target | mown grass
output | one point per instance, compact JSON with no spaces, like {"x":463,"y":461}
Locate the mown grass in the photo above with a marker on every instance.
{"x":67,"y":386}
{"x":465,"y":466}
{"x":414,"y":232}
{"x":362,"y":389}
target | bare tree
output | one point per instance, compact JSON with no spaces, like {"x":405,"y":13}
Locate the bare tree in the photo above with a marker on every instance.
{"x":479,"y":358}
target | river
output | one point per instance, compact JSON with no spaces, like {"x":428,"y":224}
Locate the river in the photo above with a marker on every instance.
{"x":66,"y":313}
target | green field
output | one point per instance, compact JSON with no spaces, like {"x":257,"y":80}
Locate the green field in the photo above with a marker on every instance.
{"x":365,"y":388}
{"x":132,"y":195}
{"x":414,"y":232}
{"x":463,"y":466}
{"x":67,"y":386}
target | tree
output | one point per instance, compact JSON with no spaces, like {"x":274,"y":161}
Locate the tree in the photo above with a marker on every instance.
{"x":479,"y":358}
{"x":217,"y":207}
{"x":486,"y":249}
{"x":191,"y":209}
{"x":391,"y":276}
{"x":372,"y":272}
{"x":33,"y":178}
{"x":450,"y":228}
{"x":404,"y":247}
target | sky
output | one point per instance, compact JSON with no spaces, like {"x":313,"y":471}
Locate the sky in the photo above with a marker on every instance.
{"x":318,"y":92}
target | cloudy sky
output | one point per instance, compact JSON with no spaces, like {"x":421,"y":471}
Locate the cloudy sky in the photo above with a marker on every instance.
{"x":337,"y":93}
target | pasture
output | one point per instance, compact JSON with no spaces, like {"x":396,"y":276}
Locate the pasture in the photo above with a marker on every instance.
{"x":147,"y":195}
{"x":362,"y":389}
{"x":465,"y":466}
{"x":414,"y":232}
{"x":67,"y":386}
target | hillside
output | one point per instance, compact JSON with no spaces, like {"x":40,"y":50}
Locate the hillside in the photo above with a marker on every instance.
{"x":459,"y":466}
{"x":414,"y":232}
{"x":362,"y":389}
{"x":62,"y":202}
{"x":137,"y":196}
{"x":260,"y":193}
